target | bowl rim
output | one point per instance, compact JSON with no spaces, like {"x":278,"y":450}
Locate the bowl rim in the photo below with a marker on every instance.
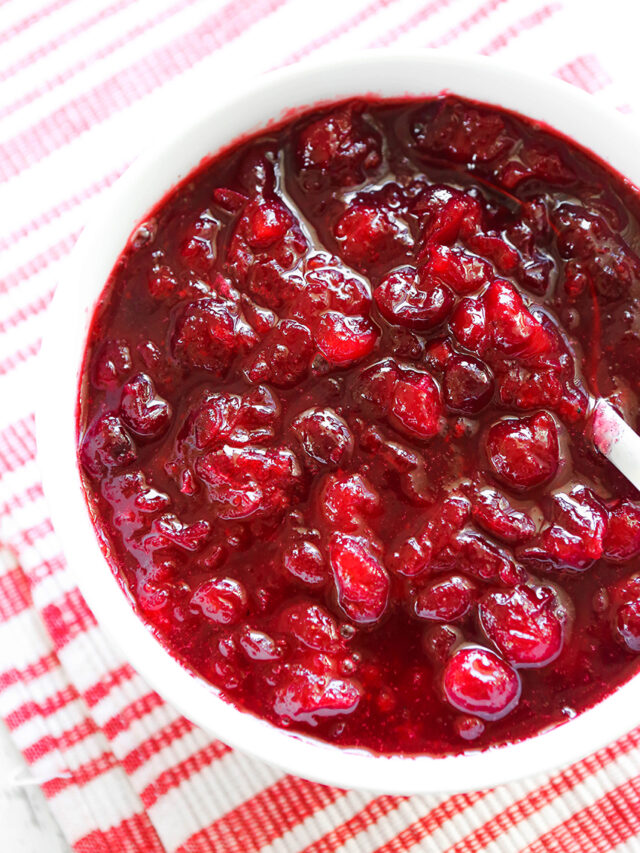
{"x":606,"y":134}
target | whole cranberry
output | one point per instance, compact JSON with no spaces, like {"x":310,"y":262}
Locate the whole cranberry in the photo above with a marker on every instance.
{"x":362,"y":583}
{"x":412,"y":299}
{"x":141,"y":407}
{"x":469,"y":325}
{"x":524,"y":452}
{"x":445,"y":600}
{"x":416,"y":406}
{"x":222,"y":600}
{"x":515,"y":331}
{"x":325,"y":437}
{"x":524,"y":624}
{"x":477,"y":681}
{"x":467,"y":385}
{"x":462,"y":271}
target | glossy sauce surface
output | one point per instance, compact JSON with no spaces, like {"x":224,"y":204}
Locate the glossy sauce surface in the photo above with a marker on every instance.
{"x":334,"y":425}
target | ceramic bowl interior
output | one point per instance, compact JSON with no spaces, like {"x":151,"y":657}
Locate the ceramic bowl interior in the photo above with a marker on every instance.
{"x":197,"y":133}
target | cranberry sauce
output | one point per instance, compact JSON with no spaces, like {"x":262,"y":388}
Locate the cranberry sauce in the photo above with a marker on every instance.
{"x":334,"y":425}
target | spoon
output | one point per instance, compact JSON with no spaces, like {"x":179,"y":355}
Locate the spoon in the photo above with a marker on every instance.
{"x":615,"y":439}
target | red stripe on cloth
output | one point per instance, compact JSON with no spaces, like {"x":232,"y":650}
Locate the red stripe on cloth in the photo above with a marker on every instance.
{"x":557,"y":785}
{"x":24,"y":24}
{"x":15,"y":595}
{"x":481,"y":14}
{"x":529,"y":22}
{"x":135,"y":759}
{"x":31,"y":535}
{"x":134,"y":835}
{"x":33,"y":266}
{"x":45,"y":708}
{"x":415,"y":20}
{"x":67,"y":739}
{"x":178,"y":773}
{"x":30,"y":672}
{"x":67,"y":618}
{"x":61,"y":207}
{"x":57,"y":41}
{"x":7,"y":365}
{"x":17,"y":444}
{"x":86,"y":62}
{"x":101,"y":689}
{"x":18,"y":500}
{"x":263,"y":818}
{"x":431,"y":821}
{"x":360,"y":822}
{"x":80,"y":775}
{"x":335,"y":33}
{"x":585,"y":72}
{"x":46,"y":569}
{"x":26,"y":312}
{"x":136,"y":710}
{"x":602,"y":826}
{"x":127,"y":86}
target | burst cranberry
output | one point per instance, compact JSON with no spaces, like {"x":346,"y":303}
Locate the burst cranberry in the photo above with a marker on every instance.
{"x":329,"y":287}
{"x":445,"y":600}
{"x":416,"y":407}
{"x":106,"y":445}
{"x":361,"y":581}
{"x":469,"y":325}
{"x":142,"y":409}
{"x":626,"y":612}
{"x":454,"y":131}
{"x":524,"y":452}
{"x":111,"y":364}
{"x":468,"y":385}
{"x":222,"y":600}
{"x":340,"y":145}
{"x":412,"y":300}
{"x":622,"y":541}
{"x":515,"y":330}
{"x":460,"y":270}
{"x":209,"y":332}
{"x":308,"y":696}
{"x":493,"y":512}
{"x":575,"y":538}
{"x":344,"y":340}
{"x":311,"y":625}
{"x":524,"y":624}
{"x":325,"y":437}
{"x":304,"y":561}
{"x":285,"y":357}
{"x":346,"y":498}
{"x":267,"y":223}
{"x":477,"y":681}
{"x":370,"y":236}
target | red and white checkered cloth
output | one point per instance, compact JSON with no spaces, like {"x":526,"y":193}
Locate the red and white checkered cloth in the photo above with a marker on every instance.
{"x":121,"y":769}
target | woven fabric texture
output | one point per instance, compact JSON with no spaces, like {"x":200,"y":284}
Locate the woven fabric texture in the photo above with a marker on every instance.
{"x":86,"y":87}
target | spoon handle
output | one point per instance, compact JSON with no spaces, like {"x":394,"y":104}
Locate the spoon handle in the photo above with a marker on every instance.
{"x":615,"y":439}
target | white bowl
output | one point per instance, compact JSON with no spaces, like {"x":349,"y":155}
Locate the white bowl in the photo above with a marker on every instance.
{"x":609,"y":135}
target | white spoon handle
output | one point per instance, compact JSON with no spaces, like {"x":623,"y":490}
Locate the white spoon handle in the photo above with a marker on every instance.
{"x":615,"y":439}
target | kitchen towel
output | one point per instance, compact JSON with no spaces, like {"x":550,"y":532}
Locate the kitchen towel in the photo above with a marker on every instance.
{"x":84,"y":88}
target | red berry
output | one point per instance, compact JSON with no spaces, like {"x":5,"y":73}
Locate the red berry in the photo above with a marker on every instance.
{"x":476,"y":681}
{"x":362,"y":583}
{"x":371,"y":236}
{"x":307,"y":695}
{"x":222,"y":600}
{"x":622,"y":541}
{"x":467,"y":385}
{"x":142,"y":409}
{"x":493,"y":513}
{"x":106,"y":445}
{"x":524,"y":452}
{"x":285,"y":356}
{"x":524,"y":624}
{"x":445,"y":600}
{"x":346,"y":499}
{"x":469,"y":325}
{"x":111,"y":364}
{"x":305,"y":562}
{"x":416,"y":407}
{"x":324,"y":436}
{"x":462,"y":271}
{"x":625,"y":599}
{"x":311,"y":625}
{"x":344,"y":340}
{"x":515,"y":331}
{"x":413,"y":300}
